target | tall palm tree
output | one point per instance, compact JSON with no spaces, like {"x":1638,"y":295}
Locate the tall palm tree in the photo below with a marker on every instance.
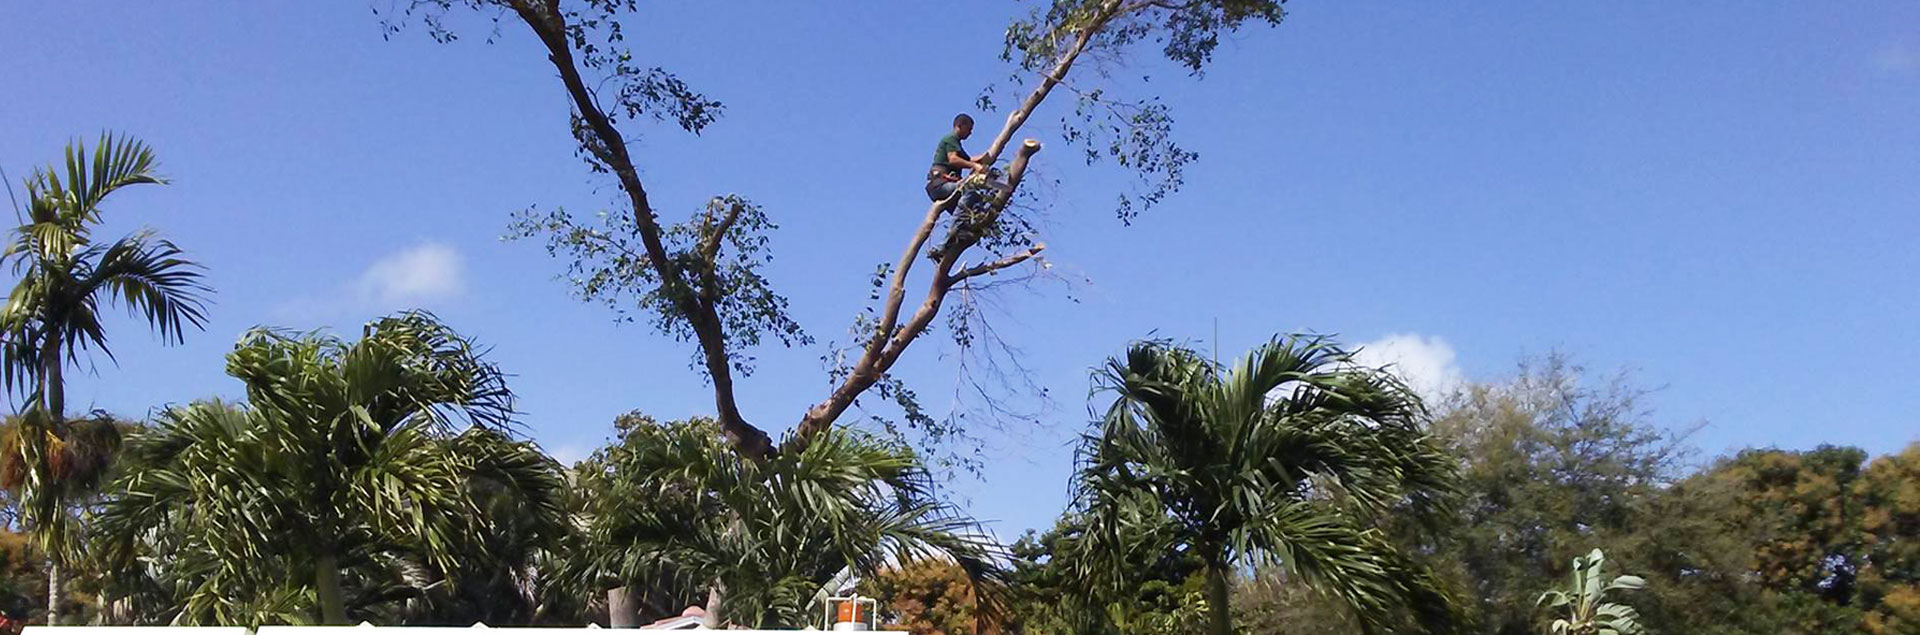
{"x":353,"y":472}
{"x":757,"y":540}
{"x":53,"y":314}
{"x":1286,"y":459}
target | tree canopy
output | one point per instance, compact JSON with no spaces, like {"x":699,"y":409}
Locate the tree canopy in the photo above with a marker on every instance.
{"x":701,"y":279}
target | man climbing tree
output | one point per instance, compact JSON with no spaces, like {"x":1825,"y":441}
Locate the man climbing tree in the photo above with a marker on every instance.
{"x":949,"y":158}
{"x":944,"y":179}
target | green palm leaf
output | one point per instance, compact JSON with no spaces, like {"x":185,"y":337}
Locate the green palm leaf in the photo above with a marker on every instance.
{"x":118,"y":161}
{"x":151,"y":278}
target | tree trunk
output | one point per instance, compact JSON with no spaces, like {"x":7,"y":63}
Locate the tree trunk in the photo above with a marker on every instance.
{"x":549,"y":23}
{"x":53,"y":592}
{"x":53,"y":391}
{"x":326,"y":585}
{"x":1219,"y":613}
{"x":715,"y":595}
{"x":623,"y":608}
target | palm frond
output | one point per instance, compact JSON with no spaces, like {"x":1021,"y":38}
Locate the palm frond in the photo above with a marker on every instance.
{"x":117,"y":162}
{"x":445,"y":374}
{"x":153,"y":279}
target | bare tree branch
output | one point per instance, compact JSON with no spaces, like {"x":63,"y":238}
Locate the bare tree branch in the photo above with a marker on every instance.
{"x":990,"y":267}
{"x":889,"y":341}
{"x":897,"y":286}
{"x":710,"y":251}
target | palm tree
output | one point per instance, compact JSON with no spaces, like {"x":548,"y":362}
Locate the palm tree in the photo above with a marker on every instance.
{"x":505,"y":575}
{"x":79,"y":462}
{"x":354,"y":476}
{"x":1587,"y":611}
{"x":52,"y":316}
{"x":758,"y":539}
{"x":1284,"y":460}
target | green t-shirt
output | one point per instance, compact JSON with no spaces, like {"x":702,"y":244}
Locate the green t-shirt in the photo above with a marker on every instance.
{"x":949,"y":143}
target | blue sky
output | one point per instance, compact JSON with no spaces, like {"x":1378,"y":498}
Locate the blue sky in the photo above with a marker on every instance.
{"x":1721,"y":197}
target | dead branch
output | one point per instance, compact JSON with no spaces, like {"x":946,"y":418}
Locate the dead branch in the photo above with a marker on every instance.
{"x":990,"y":267}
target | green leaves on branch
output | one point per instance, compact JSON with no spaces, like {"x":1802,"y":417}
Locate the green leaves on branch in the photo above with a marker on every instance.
{"x":1134,"y":133}
{"x":1187,"y":32}
{"x":722,"y":250}
{"x":593,"y":29}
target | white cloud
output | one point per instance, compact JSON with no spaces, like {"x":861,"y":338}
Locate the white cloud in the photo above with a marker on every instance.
{"x":412,"y":278}
{"x":418,"y":277}
{"x":1425,"y":363}
{"x":1896,"y":57}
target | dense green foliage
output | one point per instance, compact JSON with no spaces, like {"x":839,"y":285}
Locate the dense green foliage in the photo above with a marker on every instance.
{"x":1555,"y":464}
{"x":1164,"y":595}
{"x":393,"y":459}
{"x":667,"y":510}
{"x":374,"y":457}
{"x":926,"y":597}
{"x":1551,"y":468}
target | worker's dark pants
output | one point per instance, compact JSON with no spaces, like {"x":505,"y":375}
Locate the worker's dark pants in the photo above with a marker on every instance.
{"x":938,"y":189}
